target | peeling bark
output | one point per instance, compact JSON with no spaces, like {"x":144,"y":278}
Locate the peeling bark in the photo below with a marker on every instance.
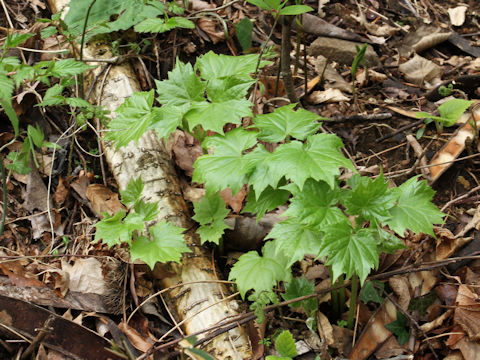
{"x":150,"y":160}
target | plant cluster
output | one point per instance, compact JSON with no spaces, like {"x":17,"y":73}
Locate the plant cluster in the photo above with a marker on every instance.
{"x":346,"y":223}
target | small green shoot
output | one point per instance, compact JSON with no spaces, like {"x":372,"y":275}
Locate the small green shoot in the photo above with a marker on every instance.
{"x":399,"y":328}
{"x":285,"y":346}
{"x":450,"y":111}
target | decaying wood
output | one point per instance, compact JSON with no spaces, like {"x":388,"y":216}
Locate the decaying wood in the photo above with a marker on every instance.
{"x":200,"y":305}
{"x":445,"y":157}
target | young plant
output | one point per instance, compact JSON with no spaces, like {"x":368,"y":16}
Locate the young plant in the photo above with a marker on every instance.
{"x":359,"y":58}
{"x":165,"y":241}
{"x":347,"y":225}
{"x":450,"y":111}
{"x":285,"y":346}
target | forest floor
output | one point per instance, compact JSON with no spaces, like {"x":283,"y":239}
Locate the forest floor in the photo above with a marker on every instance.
{"x":413,"y":49}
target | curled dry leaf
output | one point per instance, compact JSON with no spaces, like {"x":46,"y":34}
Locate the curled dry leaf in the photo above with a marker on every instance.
{"x":419,"y":70}
{"x":135,"y":338}
{"x":235,"y":202}
{"x":325,"y":329}
{"x":85,"y":276}
{"x":425,"y":37}
{"x":327,"y":96}
{"x":186,"y":150}
{"x":103,"y":200}
{"x":332,"y":79}
{"x":61,"y":192}
{"x":210,"y":28}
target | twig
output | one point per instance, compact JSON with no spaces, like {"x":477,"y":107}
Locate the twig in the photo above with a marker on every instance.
{"x":44,"y":331}
{"x":403,"y":128}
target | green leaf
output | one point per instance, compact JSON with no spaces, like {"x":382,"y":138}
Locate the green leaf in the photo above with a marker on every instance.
{"x":217,"y":66}
{"x":48,"y":31}
{"x":226,"y":167}
{"x":295,"y":239}
{"x":259,"y":273}
{"x":19,"y":162}
{"x":319,"y":158}
{"x":214,"y":115}
{"x":69,"y":67}
{"x":350,"y":252}
{"x":132,"y":120}
{"x":370,"y":293}
{"x":285,"y":122}
{"x":15,"y":39}
{"x":316,"y":204}
{"x":166,"y":119}
{"x":182,"y":87}
{"x":413,"y":209}
{"x":6,"y":87}
{"x":399,"y":328}
{"x":167,"y":244}
{"x":452,"y":109}
{"x":371,"y":199}
{"x":295,"y":10}
{"x":132,"y":191}
{"x":210,"y":213}
{"x":243,"y":31}
{"x":423,"y":302}
{"x":36,"y":135}
{"x":23,"y":72}
{"x":260,"y":3}
{"x":116,"y":229}
{"x":285,"y":344}
{"x":268,"y":200}
{"x":157,"y":25}
{"x":148,"y":211}
{"x":298,"y":287}
{"x":127,"y":13}
{"x":12,"y":115}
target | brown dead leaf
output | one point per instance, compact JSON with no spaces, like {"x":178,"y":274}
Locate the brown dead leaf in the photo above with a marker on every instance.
{"x":236,"y":202}
{"x":447,"y":243}
{"x":325,"y":329}
{"x":419,"y":70}
{"x":469,"y":349}
{"x":61,"y":192}
{"x":18,"y":277}
{"x":103,"y":200}
{"x":209,"y":27}
{"x":401,"y":287}
{"x":186,"y":150}
{"x":135,"y":338}
{"x":457,"y":15}
{"x":81,"y":184}
{"x":86,"y":276}
{"x":327,"y":96}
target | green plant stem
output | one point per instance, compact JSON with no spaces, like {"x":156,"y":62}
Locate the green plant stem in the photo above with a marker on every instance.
{"x":353,"y":301}
{"x":82,"y":43}
{"x":334,"y":295}
{"x":285,"y":59}
{"x":341,"y":295}
{"x":4,"y":189}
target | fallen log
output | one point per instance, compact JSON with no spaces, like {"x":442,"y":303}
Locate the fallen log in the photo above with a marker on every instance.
{"x":199,"y":305}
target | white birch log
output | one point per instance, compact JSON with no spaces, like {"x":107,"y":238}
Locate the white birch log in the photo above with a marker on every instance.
{"x":150,"y":160}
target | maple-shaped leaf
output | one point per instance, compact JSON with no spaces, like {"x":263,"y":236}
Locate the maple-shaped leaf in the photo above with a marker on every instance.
{"x":182,"y":87}
{"x":227,"y":166}
{"x":133,"y":118}
{"x":167,"y":244}
{"x":264,"y":174}
{"x":414,"y":210}
{"x":296,"y":239}
{"x":316,"y":204}
{"x":285,"y":122}
{"x":69,"y":67}
{"x":268,"y":200}
{"x":371,"y":199}
{"x":300,"y":286}
{"x":148,"y":211}
{"x":350,"y":252}
{"x":230,"y":88}
{"x":166,"y":119}
{"x":215,"y":115}
{"x":117,"y":229}
{"x":319,"y":158}
{"x":215,"y":66}
{"x":132,"y":191}
{"x":259,"y":273}
{"x":210,"y":213}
